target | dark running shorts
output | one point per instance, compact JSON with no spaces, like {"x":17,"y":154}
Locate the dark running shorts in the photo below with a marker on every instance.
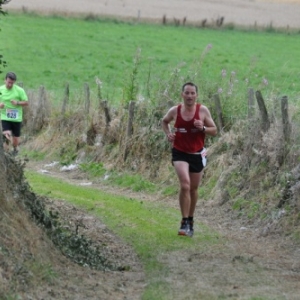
{"x":14,"y":127}
{"x":194,"y":160}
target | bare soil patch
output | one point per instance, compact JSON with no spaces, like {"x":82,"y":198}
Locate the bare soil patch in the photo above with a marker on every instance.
{"x":280,"y":13}
{"x":254,"y":260}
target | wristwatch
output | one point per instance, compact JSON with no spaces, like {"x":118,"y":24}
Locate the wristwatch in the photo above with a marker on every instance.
{"x":204,"y":128}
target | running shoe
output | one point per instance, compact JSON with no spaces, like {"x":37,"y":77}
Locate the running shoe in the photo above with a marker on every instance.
{"x":184,"y":228}
{"x":191,"y":224}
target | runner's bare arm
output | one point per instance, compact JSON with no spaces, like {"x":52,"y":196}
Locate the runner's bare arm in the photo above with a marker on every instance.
{"x":210,"y":126}
{"x":167,"y":119}
{"x":20,"y":103}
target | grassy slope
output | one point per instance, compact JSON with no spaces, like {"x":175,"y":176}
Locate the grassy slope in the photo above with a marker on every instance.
{"x":52,"y":51}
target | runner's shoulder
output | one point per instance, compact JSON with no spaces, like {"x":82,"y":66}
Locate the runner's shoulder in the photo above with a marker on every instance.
{"x":204,"y":108}
{"x":17,"y":87}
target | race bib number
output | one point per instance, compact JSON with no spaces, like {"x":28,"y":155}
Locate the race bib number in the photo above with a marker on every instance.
{"x":12,"y":113}
{"x":203,"y":154}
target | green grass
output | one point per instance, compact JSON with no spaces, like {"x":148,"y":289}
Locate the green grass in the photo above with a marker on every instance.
{"x":133,"y":181}
{"x":151,"y":228}
{"x":34,"y":155}
{"x":51,"y":51}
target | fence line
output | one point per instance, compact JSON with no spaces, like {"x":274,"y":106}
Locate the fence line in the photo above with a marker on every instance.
{"x":41,"y":114}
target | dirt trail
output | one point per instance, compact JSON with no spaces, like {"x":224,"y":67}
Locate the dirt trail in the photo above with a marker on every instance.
{"x":280,"y":13}
{"x":253,"y":260}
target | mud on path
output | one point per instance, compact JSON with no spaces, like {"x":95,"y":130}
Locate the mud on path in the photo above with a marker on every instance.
{"x":253,"y":262}
{"x":279,"y":13}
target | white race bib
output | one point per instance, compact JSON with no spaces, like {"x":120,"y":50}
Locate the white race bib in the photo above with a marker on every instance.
{"x":12,"y":113}
{"x":203,"y":154}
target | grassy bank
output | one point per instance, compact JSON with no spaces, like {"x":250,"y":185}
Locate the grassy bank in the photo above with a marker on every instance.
{"x":51,"y":51}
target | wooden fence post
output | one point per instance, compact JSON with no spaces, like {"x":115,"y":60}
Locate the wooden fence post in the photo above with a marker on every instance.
{"x":129,"y":127}
{"x":64,"y":106}
{"x":251,"y":107}
{"x":265,"y":122}
{"x":66,"y":99}
{"x":106,"y":112}
{"x":285,"y":119}
{"x":40,"y":113}
{"x":164,"y":20}
{"x":218,"y":107}
{"x":87,"y":98}
{"x":41,"y":100}
{"x":99,"y":94}
{"x":130,"y":119}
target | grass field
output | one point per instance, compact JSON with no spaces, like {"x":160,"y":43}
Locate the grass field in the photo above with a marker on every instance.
{"x":51,"y":51}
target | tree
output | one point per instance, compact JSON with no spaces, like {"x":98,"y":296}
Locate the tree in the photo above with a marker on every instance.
{"x":2,"y":13}
{"x":1,"y":3}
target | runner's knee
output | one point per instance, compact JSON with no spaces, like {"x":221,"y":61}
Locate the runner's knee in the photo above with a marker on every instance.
{"x":185,"y":186}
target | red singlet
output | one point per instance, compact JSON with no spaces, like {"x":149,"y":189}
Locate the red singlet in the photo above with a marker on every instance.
{"x":187,"y":137}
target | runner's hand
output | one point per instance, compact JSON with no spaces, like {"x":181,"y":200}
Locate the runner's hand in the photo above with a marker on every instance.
{"x":198,"y":124}
{"x":171,"y":137}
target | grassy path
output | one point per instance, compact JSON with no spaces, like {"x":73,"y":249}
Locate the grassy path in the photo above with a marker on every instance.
{"x":219,"y":262}
{"x":148,"y":226}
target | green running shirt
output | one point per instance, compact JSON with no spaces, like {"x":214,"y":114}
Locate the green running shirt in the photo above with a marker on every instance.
{"x":12,"y":112}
